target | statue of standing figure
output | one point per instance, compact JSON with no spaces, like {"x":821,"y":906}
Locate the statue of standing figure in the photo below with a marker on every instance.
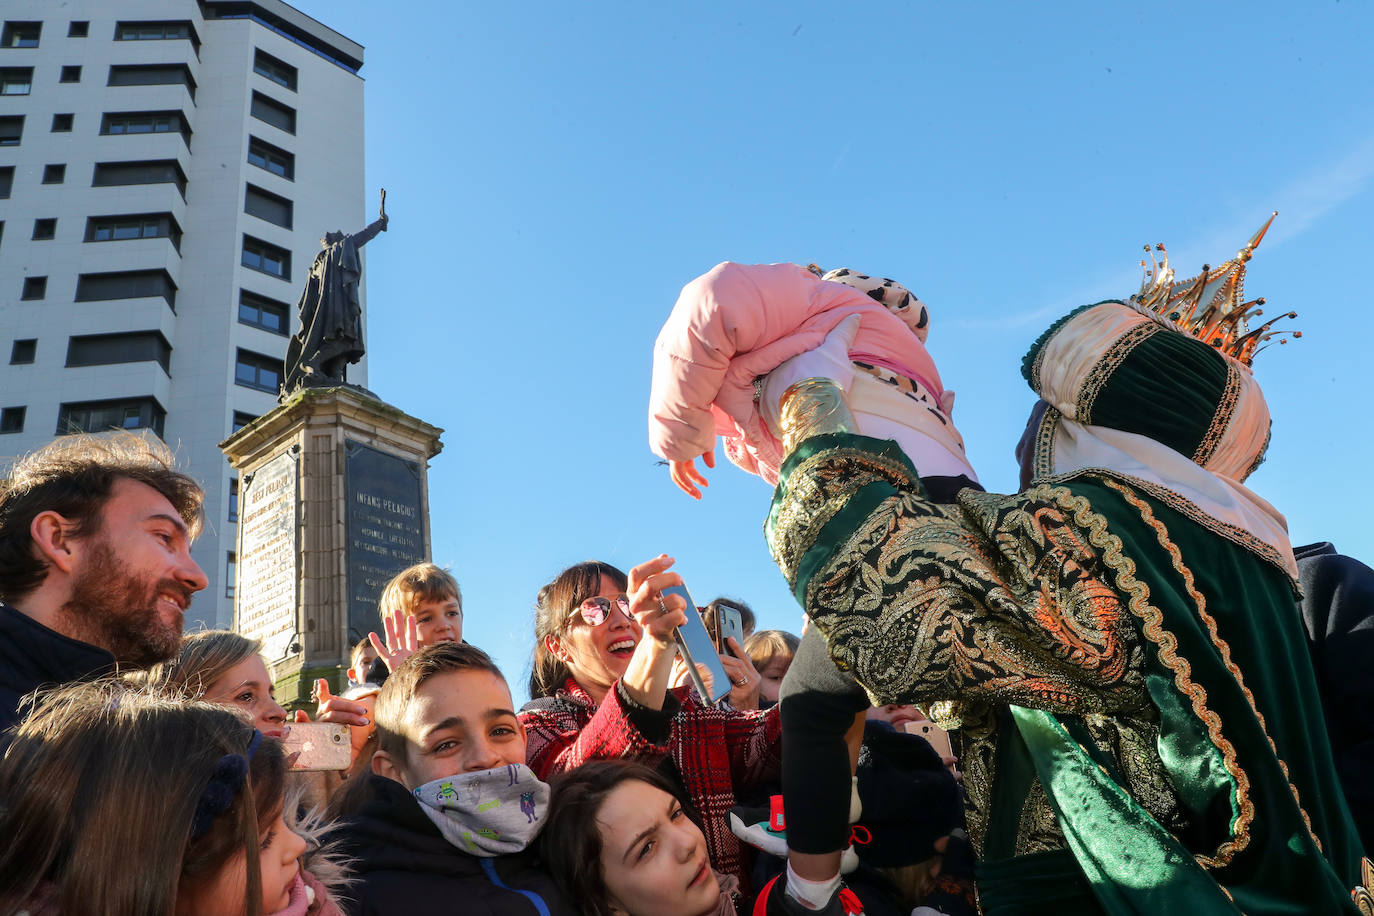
{"x":331,"y":332}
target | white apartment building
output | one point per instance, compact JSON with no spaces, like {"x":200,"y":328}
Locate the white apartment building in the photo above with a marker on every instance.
{"x":167,"y":169}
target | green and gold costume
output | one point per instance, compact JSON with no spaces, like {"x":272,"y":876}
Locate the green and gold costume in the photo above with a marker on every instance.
{"x":1117,"y":647}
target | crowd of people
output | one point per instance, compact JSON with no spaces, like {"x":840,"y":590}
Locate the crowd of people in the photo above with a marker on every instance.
{"x":1096,"y":695}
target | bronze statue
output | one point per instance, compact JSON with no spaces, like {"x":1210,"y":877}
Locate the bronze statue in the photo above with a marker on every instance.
{"x":331,"y":333}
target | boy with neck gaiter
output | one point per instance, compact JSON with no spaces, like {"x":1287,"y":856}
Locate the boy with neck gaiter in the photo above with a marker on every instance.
{"x":449,"y":816}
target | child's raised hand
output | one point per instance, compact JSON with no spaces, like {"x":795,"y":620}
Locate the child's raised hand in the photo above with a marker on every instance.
{"x":401,"y":640}
{"x":686,"y":475}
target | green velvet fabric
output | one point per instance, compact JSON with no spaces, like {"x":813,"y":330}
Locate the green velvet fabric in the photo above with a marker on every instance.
{"x":1280,"y":870}
{"x":1131,"y":863}
{"x":1166,"y":389}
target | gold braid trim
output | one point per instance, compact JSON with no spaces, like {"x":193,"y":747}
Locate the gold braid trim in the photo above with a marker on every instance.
{"x":1364,"y":901}
{"x":1152,"y":620}
{"x":1044,"y":442}
{"x":1221,"y":417}
{"x":1106,"y":367}
{"x":1180,"y":504}
{"x":1162,"y":533}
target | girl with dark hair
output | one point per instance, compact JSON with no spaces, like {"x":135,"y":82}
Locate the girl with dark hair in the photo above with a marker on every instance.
{"x":618,"y":841}
{"x":603,"y":660}
{"x":125,"y":802}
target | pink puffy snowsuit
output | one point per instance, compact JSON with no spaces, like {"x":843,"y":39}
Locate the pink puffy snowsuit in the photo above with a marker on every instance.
{"x":740,"y":321}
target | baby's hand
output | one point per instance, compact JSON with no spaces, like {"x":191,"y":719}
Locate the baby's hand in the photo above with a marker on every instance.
{"x":686,"y":475}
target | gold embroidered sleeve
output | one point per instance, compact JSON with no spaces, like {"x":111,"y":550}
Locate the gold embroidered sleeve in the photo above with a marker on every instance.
{"x":994,"y":600}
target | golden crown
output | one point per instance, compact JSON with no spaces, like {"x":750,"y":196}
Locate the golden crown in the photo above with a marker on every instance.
{"x":1210,"y":306}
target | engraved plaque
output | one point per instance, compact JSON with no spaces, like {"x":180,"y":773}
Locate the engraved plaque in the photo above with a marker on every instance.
{"x":267,"y":574}
{"x":385,"y":528}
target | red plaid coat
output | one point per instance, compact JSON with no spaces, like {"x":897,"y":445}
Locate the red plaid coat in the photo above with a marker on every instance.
{"x":715,"y":750}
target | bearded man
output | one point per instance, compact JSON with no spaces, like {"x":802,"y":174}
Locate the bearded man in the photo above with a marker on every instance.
{"x":95,"y":564}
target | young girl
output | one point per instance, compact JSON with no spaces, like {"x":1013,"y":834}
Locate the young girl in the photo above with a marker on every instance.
{"x":617,"y":840}
{"x":122,"y":801}
{"x":772,"y":652}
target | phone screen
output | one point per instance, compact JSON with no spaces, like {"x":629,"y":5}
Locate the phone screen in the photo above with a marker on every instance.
{"x":696,"y":648}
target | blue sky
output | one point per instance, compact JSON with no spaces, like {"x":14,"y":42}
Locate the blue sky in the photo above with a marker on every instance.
{"x":557,"y":172}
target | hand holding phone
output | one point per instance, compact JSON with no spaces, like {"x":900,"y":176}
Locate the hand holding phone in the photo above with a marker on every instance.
{"x":318,"y":746}
{"x":695,"y":646}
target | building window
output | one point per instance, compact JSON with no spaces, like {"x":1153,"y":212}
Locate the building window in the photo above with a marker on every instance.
{"x":233,"y":499}
{"x":164,"y":30}
{"x":261,"y":312}
{"x":23,"y":351}
{"x":98,"y":416}
{"x":62,"y":123}
{"x":133,"y":226}
{"x":270,"y":111}
{"x":21,"y":34}
{"x":112,"y":349}
{"x":11,"y":130}
{"x":253,"y":370}
{"x":268,"y":206}
{"x":78,"y":28}
{"x":16,"y":80}
{"x":278,"y":71}
{"x":70,"y":74}
{"x":126,"y":284}
{"x":44,"y":229}
{"x":12,"y":419}
{"x":230,"y":569}
{"x":240,"y":420}
{"x":55,"y":173}
{"x":152,"y":75}
{"x":146,"y":122}
{"x":150,"y":171}
{"x":266,"y":257}
{"x":274,"y":159}
{"x":6,"y":181}
{"x":34,"y":288}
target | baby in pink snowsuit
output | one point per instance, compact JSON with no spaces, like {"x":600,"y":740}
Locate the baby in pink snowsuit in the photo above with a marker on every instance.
{"x":738,"y":322}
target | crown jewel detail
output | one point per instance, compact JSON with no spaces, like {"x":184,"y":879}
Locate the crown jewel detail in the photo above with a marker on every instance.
{"x":1211,"y":306}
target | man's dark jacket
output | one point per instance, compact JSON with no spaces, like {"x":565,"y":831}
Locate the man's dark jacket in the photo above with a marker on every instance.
{"x":1338,"y":613}
{"x":402,"y":865}
{"x":32,"y":656}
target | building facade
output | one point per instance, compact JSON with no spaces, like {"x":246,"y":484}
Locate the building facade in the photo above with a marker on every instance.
{"x":167,"y":170}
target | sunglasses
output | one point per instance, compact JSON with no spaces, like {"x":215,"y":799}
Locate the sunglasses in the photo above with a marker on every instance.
{"x":596,"y":611}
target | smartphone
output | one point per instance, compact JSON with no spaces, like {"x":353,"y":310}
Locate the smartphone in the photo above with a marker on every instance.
{"x":937,"y":736}
{"x":318,"y":746}
{"x":728,"y":623}
{"x":696,"y":647}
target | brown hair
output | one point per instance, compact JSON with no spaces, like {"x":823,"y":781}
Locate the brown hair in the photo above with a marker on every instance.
{"x":400,"y":688}
{"x":421,"y":582}
{"x":570,"y":842}
{"x":74,"y":476}
{"x":101,"y":787}
{"x":766,"y":645}
{"x":556,"y":601}
{"x":203,"y":658}
{"x":746,"y":613}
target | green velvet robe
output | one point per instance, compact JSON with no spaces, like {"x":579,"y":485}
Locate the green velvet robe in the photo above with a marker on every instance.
{"x":1138,"y":719}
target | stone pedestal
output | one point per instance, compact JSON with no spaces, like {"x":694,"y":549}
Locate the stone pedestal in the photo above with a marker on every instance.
{"x":333,"y":501}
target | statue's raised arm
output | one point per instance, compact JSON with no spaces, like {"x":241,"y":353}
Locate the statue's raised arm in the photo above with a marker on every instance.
{"x":331,"y":333}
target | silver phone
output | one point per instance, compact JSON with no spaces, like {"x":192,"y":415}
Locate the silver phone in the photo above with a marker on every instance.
{"x":696,"y":647}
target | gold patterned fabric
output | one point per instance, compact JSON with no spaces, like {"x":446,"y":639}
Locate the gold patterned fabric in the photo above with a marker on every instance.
{"x":994,"y":601}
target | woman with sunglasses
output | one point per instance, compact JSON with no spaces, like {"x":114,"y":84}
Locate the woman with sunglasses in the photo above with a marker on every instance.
{"x":603,"y":660}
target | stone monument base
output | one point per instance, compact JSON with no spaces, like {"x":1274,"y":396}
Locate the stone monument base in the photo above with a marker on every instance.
{"x":333,"y":501}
